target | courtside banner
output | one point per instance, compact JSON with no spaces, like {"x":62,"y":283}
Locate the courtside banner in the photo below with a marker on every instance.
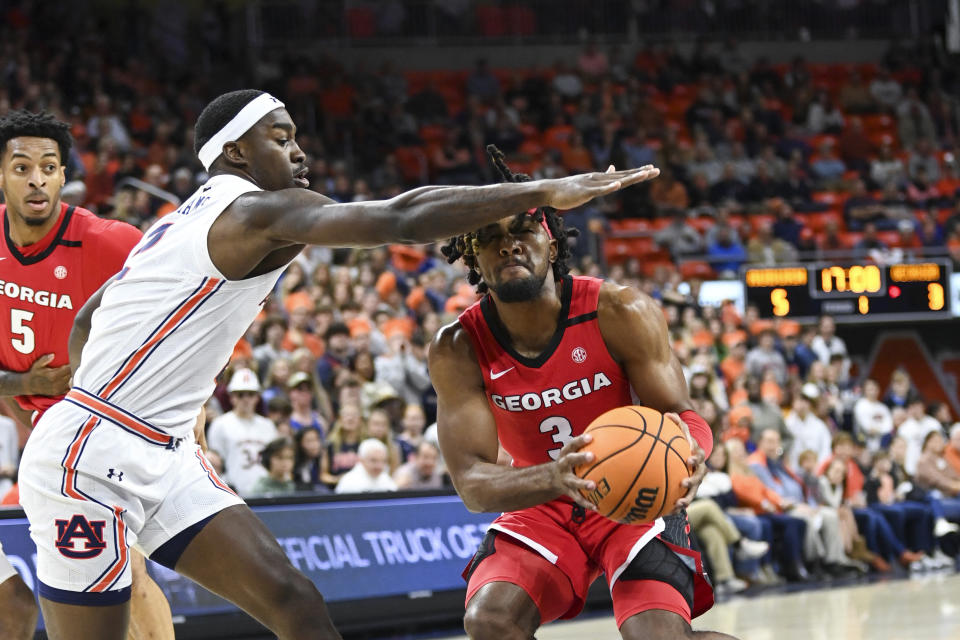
{"x":352,"y":550}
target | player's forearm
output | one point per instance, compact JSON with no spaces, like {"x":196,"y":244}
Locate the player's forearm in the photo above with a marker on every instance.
{"x":487,"y":487}
{"x":434,"y":213}
{"x":13,"y":383}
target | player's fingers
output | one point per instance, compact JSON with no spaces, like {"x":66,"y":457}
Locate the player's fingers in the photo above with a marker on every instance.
{"x":43,"y":361}
{"x":611,"y":169}
{"x":575,"y":444}
{"x":577,"y":497}
{"x":574,"y":459}
{"x":640,"y":176}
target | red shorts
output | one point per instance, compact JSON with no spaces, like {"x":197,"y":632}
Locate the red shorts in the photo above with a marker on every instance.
{"x":555,"y":557}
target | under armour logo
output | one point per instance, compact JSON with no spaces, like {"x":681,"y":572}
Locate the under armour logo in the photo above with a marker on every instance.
{"x":91,"y":532}
{"x":119,"y":475}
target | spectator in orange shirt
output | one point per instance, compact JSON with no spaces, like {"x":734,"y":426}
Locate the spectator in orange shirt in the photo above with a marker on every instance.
{"x":770,"y":506}
{"x":734,"y":365}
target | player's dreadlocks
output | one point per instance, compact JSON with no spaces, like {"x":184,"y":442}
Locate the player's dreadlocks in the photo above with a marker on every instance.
{"x":465,"y":246}
{"x":21,"y":123}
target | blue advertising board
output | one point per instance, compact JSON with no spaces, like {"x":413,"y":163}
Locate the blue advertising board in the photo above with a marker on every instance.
{"x":351,"y":550}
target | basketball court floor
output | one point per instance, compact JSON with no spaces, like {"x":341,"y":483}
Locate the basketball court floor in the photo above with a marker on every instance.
{"x":919,"y":608}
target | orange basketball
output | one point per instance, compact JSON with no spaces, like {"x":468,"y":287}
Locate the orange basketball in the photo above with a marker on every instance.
{"x":639,"y":461}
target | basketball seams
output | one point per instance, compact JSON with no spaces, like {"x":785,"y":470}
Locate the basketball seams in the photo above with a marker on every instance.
{"x":639,"y":473}
{"x":610,"y":455}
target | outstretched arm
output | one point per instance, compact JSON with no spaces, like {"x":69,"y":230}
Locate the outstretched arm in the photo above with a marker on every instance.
{"x":469,"y":442}
{"x":421,"y":215}
{"x":635,"y":331}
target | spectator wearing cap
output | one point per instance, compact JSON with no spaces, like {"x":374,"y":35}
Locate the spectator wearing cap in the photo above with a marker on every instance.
{"x":301,"y":388}
{"x":422,"y":470}
{"x":403,"y":367}
{"x":765,"y":357}
{"x":240,"y":434}
{"x":370,"y":471}
{"x":872,"y":419}
{"x":808,"y":431}
{"x":337,"y":354}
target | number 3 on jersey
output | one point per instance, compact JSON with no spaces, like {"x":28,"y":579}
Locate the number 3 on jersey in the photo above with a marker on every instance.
{"x":562,"y":433}
{"x":26,"y":342}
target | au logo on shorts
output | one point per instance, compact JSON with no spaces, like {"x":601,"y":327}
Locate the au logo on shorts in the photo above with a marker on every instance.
{"x":89,"y":536}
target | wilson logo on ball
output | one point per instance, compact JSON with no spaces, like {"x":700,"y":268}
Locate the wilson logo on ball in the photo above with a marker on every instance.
{"x":645,"y":499}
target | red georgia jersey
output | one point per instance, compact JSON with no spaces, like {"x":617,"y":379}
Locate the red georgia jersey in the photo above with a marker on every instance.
{"x":539,"y":404}
{"x":43,"y":285}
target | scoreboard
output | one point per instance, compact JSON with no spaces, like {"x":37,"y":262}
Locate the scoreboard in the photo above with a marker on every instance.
{"x":863,"y":292}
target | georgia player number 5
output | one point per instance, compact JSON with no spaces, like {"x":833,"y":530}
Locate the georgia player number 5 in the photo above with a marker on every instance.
{"x":561,"y":430}
{"x":25,"y":343}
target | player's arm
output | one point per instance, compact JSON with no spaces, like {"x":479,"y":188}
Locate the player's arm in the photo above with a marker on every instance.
{"x":39,"y":380}
{"x":299,"y":216}
{"x":469,"y":442}
{"x":635,"y":332}
{"x":81,"y":325}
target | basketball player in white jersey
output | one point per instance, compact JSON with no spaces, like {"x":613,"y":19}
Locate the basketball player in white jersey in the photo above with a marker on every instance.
{"x":115,"y":464}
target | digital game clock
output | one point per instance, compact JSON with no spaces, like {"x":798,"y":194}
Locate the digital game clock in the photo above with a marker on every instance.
{"x":864,"y":292}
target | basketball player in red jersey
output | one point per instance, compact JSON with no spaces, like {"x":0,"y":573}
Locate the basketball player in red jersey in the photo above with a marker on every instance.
{"x":530,"y":366}
{"x":52,"y":258}
{"x":251,"y":218}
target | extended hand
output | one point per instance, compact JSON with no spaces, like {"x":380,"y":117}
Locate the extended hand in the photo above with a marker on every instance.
{"x":42,"y":380}
{"x":573,"y":191}
{"x":695,"y":462}
{"x":565,"y":480}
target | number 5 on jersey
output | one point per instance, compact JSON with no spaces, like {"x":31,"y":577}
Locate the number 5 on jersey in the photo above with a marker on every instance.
{"x":561,"y":430}
{"x":26,"y":342}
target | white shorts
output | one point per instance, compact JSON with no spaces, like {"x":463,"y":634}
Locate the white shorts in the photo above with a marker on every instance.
{"x":95,"y":481}
{"x":6,"y":569}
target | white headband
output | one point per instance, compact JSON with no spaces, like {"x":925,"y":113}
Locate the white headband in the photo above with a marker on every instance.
{"x":239,"y":125}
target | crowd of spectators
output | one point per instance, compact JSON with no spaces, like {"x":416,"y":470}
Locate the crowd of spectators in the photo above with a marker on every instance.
{"x":330,"y":392}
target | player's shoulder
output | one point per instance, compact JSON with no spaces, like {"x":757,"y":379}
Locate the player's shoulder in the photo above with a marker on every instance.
{"x":451,"y":341}
{"x":621,"y":300}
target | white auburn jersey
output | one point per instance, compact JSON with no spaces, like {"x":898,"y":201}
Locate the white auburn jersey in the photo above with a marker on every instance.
{"x":169,"y":322}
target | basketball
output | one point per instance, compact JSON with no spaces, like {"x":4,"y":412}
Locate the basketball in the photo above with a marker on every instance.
{"x":639,"y":462}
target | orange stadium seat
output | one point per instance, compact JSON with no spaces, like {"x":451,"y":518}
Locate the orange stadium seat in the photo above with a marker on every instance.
{"x":630,"y":224}
{"x":817,"y":221}
{"x":697,"y":269}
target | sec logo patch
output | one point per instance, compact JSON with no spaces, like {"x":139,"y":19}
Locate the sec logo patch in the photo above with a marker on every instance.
{"x":60,"y":272}
{"x":579,"y":355}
